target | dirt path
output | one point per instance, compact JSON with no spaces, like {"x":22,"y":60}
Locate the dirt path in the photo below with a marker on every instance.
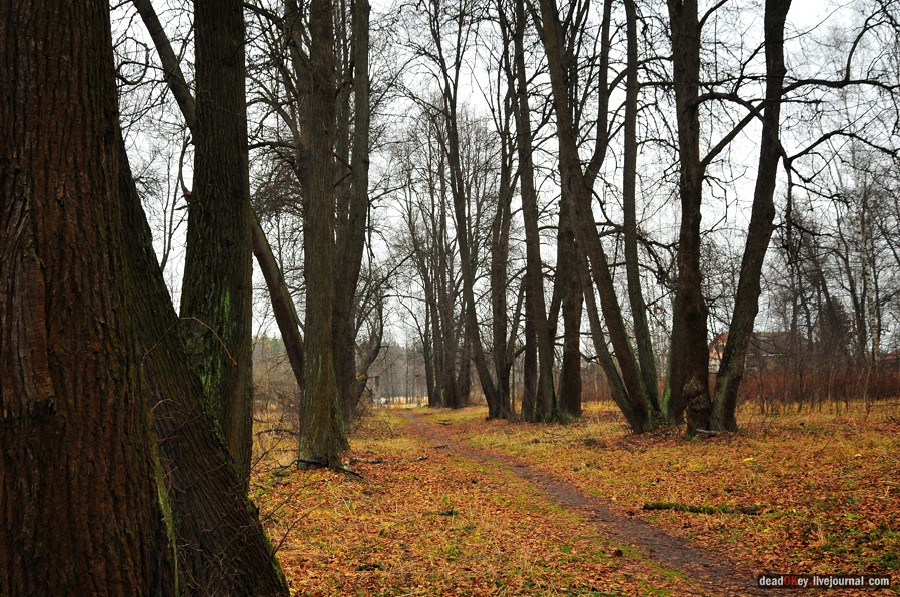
{"x":714,"y":572}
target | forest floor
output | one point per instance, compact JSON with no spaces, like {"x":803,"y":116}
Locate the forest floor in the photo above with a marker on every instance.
{"x":449,"y":503}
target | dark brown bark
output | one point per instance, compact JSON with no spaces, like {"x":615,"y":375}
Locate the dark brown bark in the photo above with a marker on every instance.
{"x":689,"y":359}
{"x":576,"y":188}
{"x":759,"y":234}
{"x":351,"y":223}
{"x":499,"y":276}
{"x":568,"y":402}
{"x":83,"y":507}
{"x":322,"y":435}
{"x":222,"y":547}
{"x":536,"y":308}
{"x":216,"y":297}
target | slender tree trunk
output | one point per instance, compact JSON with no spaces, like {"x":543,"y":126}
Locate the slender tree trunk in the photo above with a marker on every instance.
{"x":499,"y":280}
{"x":576,"y":191}
{"x":84,"y":511}
{"x":643,"y":341}
{"x":217,"y":292}
{"x":534,"y":277}
{"x":530,"y":365}
{"x":322,"y":435}
{"x":467,"y":261}
{"x":351,"y":232}
{"x":282,"y":303}
{"x":762,"y":215}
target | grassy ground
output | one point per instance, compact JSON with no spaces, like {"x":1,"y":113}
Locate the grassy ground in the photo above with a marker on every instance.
{"x":438,"y":525}
{"x":827,"y":487}
{"x":426,"y":522}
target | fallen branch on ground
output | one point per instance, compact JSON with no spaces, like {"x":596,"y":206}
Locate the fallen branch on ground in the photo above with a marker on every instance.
{"x":678,"y":507}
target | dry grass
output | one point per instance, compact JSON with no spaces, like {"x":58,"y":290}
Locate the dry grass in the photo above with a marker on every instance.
{"x":424,"y":522}
{"x":827,"y":486}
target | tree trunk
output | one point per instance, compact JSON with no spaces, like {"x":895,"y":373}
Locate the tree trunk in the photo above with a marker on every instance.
{"x":572,"y":299}
{"x":534,"y":277}
{"x":222,"y":547}
{"x":578,"y":192}
{"x":351,"y":229}
{"x":499,"y":409}
{"x":689,"y":358}
{"x":643,"y":341}
{"x":762,"y":215}
{"x":322,"y":434}
{"x":217,"y":292}
{"x":282,"y":304}
{"x":83,"y":509}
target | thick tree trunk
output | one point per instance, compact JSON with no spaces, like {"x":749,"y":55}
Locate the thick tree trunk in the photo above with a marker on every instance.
{"x":222,"y":547}
{"x":83,"y":510}
{"x":762,"y":215}
{"x":572,"y":299}
{"x":322,"y":434}
{"x":689,"y":357}
{"x":217,"y":292}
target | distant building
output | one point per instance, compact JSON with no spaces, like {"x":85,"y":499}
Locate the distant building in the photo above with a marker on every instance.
{"x":767,"y":351}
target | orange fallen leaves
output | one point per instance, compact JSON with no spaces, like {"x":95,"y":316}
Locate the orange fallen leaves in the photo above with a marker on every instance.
{"x":439,"y":525}
{"x":827,"y":487}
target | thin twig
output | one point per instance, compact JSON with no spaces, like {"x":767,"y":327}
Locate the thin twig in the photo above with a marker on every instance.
{"x":204,"y":324}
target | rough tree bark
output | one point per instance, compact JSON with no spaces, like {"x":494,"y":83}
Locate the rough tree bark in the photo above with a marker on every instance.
{"x":322,"y":433}
{"x":688,"y":385}
{"x":83,"y":510}
{"x":222,"y":547}
{"x":216,"y":296}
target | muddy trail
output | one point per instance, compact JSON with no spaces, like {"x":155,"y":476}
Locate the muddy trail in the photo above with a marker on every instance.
{"x":714,"y":572}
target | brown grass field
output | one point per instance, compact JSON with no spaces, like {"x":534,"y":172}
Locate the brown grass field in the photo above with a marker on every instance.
{"x":425,"y":520}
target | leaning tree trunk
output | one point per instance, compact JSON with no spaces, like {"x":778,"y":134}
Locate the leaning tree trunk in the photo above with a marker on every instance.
{"x":217,"y":292}
{"x":83,"y":509}
{"x":222,"y":547}
{"x":762,"y":215}
{"x":579,"y":193}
